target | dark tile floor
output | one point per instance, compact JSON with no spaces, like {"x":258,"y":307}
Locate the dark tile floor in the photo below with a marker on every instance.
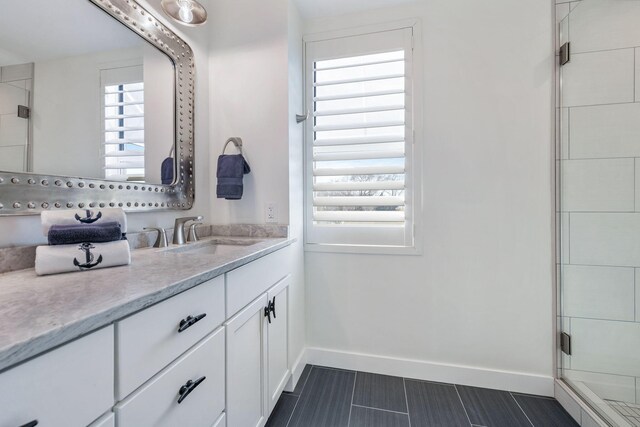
{"x":327,"y":397}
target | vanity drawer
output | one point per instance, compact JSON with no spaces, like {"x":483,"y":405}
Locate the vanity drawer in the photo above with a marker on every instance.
{"x":69,"y":386}
{"x":150,"y":339}
{"x":246,"y":283}
{"x":156,"y":403}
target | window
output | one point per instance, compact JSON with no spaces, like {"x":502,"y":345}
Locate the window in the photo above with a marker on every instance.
{"x":123,"y":118}
{"x":360,"y":162}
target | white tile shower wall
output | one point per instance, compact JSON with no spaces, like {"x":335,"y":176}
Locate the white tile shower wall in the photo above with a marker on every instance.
{"x":637,"y":74}
{"x":604,"y":131}
{"x":15,"y":87}
{"x":594,"y":78}
{"x":599,"y":292}
{"x":607,"y":239}
{"x":638,"y":297}
{"x":598,"y":149}
{"x":605,"y":346}
{"x":605,"y":25}
{"x":12,"y":130}
{"x":602,"y":185}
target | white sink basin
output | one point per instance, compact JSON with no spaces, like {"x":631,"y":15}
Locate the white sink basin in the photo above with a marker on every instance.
{"x":214,"y":246}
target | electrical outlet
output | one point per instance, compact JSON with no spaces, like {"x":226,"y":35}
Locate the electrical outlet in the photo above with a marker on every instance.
{"x":271,"y":212}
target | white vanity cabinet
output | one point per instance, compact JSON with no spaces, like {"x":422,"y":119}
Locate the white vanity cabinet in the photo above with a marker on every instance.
{"x":152,"y":338}
{"x":189,"y":392}
{"x":215,"y":355}
{"x":257,"y":340}
{"x":69,"y":386}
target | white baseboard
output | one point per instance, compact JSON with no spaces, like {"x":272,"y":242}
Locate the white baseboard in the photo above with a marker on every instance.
{"x":429,"y":371}
{"x":296,"y":370}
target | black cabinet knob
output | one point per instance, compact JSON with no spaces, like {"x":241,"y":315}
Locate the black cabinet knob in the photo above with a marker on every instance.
{"x":33,"y":423}
{"x":267,"y":312}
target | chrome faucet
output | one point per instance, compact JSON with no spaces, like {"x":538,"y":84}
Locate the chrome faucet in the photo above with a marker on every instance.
{"x":161,"y":240}
{"x":178,"y":229}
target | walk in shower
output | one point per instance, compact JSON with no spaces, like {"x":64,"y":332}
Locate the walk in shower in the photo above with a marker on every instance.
{"x":598,"y":204}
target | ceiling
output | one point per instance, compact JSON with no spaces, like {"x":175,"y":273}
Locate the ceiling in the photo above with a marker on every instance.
{"x":37,"y":30}
{"x":311,"y":9}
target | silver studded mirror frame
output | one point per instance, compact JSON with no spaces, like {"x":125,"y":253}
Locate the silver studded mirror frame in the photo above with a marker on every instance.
{"x":26,"y":193}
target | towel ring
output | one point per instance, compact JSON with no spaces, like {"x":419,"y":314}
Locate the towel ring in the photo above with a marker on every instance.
{"x":236,"y":141}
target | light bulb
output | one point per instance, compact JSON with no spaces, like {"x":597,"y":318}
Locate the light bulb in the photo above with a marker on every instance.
{"x":186,"y":11}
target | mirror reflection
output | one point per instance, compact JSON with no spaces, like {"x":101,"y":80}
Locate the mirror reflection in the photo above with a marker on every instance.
{"x":82,"y":95}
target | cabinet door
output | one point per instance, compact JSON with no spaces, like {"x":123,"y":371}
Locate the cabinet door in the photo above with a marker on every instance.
{"x":69,"y":386}
{"x":278,"y":341}
{"x":246,"y":365}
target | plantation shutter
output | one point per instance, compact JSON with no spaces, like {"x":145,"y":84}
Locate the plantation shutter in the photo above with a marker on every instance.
{"x":123,"y":119}
{"x":359,"y":90}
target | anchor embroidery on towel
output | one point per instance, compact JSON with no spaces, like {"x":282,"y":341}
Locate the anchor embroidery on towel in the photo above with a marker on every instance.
{"x":89,"y":257}
{"x":89,"y":219}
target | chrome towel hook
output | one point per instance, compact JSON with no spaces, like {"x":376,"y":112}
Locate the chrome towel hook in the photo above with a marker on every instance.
{"x":302,"y":117}
{"x":236,"y":141}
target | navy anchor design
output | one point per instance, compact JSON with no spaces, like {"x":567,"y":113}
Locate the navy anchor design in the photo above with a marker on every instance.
{"x":86,"y":247}
{"x":89,"y":219}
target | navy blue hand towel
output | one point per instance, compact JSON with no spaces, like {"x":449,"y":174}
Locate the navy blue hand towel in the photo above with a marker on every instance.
{"x":166,"y":171}
{"x":231,"y":169}
{"x":93,"y":233}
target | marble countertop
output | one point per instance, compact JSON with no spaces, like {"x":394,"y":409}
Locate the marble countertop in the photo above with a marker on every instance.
{"x":39,"y":313}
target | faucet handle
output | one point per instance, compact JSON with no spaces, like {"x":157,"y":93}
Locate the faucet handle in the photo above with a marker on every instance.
{"x":161,"y":240}
{"x":193,"y":236}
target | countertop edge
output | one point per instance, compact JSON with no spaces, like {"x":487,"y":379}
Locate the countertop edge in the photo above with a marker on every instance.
{"x":20,"y":352}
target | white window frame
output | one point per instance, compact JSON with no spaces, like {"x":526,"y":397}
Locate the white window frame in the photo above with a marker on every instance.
{"x":374,"y":243}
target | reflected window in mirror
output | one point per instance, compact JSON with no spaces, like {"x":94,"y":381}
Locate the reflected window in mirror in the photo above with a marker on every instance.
{"x":123,"y":118}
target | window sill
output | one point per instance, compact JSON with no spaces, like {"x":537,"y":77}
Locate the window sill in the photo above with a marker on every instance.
{"x":363,"y":249}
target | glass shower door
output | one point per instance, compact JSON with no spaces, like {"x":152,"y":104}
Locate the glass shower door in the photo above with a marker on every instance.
{"x":598,"y":160}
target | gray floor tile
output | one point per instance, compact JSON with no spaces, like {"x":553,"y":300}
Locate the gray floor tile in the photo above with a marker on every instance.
{"x":326,"y":399}
{"x":434,"y":405}
{"x":545,"y":412}
{"x":302,"y":381}
{"x":282,"y":412}
{"x":369,"y":417}
{"x":492,"y":408}
{"x":380,"y":391}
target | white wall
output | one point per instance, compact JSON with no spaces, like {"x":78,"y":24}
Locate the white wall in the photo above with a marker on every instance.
{"x":25,"y":230}
{"x":480,"y":296}
{"x":256,"y":90}
{"x":297,"y":327}
{"x":249,"y":86}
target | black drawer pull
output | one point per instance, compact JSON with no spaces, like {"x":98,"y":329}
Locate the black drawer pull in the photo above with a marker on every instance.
{"x":272,"y":307}
{"x":186,"y":389}
{"x":190,"y":321}
{"x":33,"y":423}
{"x":267,"y":312}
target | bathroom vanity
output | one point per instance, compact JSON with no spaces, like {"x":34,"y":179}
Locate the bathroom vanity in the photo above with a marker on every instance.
{"x":193,"y":336}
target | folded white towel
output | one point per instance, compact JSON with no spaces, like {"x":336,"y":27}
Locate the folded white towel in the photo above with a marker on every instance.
{"x":84,"y":216}
{"x":80,"y":257}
